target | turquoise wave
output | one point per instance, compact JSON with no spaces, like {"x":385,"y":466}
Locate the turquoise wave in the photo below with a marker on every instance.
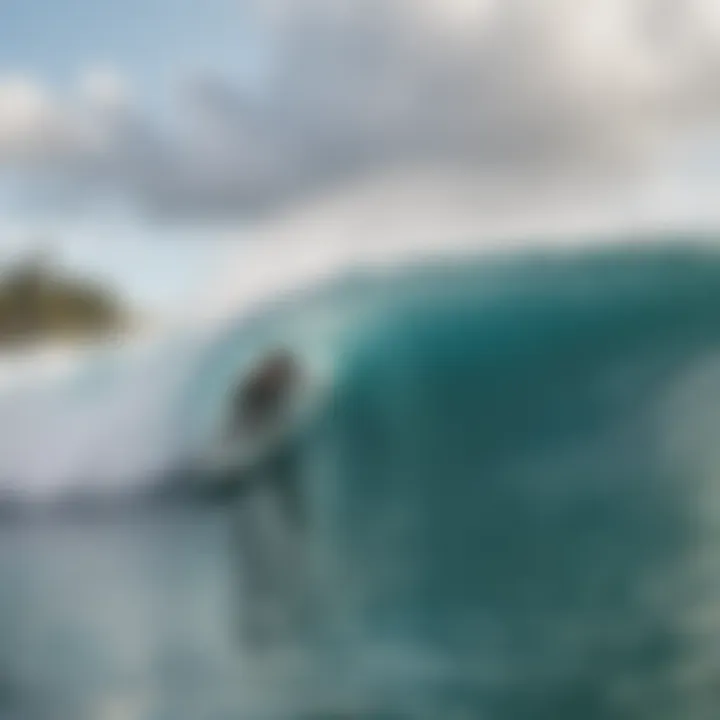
{"x":509,"y":483}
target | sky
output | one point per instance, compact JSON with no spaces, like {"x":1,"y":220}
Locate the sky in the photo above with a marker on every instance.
{"x":52,"y":53}
{"x":154,"y":142}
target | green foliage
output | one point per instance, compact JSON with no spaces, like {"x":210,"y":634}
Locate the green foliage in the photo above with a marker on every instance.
{"x":38,"y":303}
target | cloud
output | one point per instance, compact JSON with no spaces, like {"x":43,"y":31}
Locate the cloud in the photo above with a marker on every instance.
{"x":528,"y":93}
{"x":32,"y":127}
{"x":104,"y":87}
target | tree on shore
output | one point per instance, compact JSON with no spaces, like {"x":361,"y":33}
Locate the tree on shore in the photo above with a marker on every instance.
{"x":40,"y":303}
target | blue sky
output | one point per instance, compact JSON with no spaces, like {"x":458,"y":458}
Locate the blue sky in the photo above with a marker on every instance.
{"x":155,"y":43}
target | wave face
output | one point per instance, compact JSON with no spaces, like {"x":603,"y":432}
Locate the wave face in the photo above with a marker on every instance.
{"x":525,"y":465}
{"x":510,"y":491}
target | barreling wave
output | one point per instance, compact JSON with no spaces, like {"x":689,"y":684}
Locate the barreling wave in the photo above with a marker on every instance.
{"x":511,"y":487}
{"x":119,"y":420}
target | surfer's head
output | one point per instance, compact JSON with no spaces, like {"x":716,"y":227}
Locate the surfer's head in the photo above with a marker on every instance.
{"x":262,"y":396}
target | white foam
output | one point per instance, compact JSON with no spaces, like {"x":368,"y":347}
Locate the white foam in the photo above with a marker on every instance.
{"x":97,"y":416}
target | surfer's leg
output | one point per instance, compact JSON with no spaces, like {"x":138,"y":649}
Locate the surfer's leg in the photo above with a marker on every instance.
{"x":263,"y":563}
{"x":285,"y":475}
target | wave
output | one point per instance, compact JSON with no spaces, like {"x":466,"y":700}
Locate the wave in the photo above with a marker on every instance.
{"x":510,"y":474}
{"x":523,"y":483}
{"x":122,"y":419}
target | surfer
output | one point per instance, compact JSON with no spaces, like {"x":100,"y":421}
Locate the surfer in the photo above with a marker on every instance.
{"x":261,"y":424}
{"x":268,"y":515}
{"x":261,"y":398}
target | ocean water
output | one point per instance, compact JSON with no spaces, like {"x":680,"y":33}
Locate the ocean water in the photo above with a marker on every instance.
{"x":508,"y":477}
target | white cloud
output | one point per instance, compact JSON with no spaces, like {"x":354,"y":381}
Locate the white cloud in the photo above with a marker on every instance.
{"x":558,"y":91}
{"x":31,"y":126}
{"x":104,"y":87}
